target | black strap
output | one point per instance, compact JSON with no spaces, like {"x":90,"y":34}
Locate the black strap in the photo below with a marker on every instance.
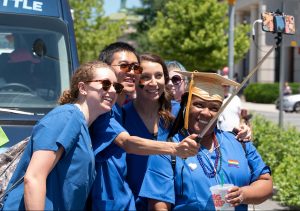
{"x":173,"y":157}
{"x":235,"y":132}
{"x":244,"y":146}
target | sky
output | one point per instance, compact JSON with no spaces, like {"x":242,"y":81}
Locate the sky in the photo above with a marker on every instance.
{"x":112,"y":6}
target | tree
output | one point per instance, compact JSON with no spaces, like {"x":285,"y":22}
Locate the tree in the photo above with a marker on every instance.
{"x":148,"y":11}
{"x":194,"y":32}
{"x":93,"y":31}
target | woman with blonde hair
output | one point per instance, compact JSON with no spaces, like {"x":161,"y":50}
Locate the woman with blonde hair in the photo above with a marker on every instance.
{"x":57,"y":169}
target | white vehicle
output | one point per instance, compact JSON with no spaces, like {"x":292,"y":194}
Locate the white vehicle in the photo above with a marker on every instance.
{"x":291,"y":103}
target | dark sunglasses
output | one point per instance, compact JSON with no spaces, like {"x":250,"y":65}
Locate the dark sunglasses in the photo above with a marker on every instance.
{"x":106,"y":84}
{"x":137,"y":69}
{"x":176,"y":80}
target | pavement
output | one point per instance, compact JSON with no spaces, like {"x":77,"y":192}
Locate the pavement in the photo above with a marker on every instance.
{"x":259,"y":107}
{"x":268,"y":205}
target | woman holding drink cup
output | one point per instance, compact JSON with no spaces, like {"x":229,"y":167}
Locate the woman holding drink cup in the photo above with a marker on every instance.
{"x":187,"y":184}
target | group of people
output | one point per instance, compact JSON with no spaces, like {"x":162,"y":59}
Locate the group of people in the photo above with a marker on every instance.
{"x":110,"y":144}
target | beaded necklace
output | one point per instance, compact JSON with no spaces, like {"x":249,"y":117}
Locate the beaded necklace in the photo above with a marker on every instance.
{"x":210,"y":173}
{"x":207,"y":168}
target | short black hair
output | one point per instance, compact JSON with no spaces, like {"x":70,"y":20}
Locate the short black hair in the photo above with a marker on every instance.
{"x":106,"y":55}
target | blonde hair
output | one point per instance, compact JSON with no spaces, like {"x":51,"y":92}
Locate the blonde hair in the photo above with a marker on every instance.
{"x":84,"y":72}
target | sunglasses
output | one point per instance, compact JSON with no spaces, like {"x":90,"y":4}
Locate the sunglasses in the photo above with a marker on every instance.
{"x":137,"y":69}
{"x":106,"y":84}
{"x":176,"y":80}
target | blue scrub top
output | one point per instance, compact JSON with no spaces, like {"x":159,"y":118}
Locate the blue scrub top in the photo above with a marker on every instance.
{"x":175,"y":107}
{"x":190,"y":188}
{"x":70,"y":181}
{"x":110,"y":190}
{"x":116,"y":112}
{"x":137,"y":164}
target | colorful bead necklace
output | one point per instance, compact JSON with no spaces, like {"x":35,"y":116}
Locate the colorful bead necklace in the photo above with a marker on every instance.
{"x":207,"y":168}
{"x":216,"y":167}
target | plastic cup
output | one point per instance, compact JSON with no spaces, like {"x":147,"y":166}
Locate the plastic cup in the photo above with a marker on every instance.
{"x":218,"y":194}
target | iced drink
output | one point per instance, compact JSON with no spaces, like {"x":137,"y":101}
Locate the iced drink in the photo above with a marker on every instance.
{"x":218,"y":194}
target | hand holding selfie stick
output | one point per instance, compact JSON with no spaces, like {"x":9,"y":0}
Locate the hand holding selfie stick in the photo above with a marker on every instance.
{"x":204,"y":131}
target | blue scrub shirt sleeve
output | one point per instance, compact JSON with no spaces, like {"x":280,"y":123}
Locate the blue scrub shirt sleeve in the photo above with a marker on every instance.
{"x":60,"y":129}
{"x":103,"y":132}
{"x":158,"y":182}
{"x":255,"y":162}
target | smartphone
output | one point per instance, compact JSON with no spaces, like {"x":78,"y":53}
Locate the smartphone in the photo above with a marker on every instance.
{"x":277,"y":23}
{"x":268,"y":21}
{"x":290,"y":24}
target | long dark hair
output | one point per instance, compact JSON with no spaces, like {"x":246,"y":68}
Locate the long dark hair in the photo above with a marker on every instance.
{"x":179,"y":121}
{"x":165,"y":99}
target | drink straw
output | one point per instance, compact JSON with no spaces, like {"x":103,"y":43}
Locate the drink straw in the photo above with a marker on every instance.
{"x":222,"y":179}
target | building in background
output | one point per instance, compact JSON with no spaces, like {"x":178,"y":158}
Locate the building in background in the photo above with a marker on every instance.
{"x":130,"y":22}
{"x":247,"y":11}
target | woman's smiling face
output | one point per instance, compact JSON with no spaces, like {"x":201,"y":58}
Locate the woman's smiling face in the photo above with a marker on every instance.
{"x":201,"y":112}
{"x":151,"y":83}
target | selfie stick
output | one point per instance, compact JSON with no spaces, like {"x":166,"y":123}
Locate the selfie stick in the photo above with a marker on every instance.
{"x":204,"y":131}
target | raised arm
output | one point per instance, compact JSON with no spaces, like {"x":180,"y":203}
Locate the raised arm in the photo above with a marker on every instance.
{"x":141,"y":146}
{"x":41,"y":164}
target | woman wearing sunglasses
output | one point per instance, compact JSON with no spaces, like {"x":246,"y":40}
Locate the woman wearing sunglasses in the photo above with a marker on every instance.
{"x":58,"y":163}
{"x":177,"y":83}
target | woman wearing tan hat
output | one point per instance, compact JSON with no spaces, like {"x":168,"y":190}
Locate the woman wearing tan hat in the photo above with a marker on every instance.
{"x":185,"y":185}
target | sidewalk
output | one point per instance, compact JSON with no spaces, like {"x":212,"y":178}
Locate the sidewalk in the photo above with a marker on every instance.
{"x":268,"y":205}
{"x":259,"y":107}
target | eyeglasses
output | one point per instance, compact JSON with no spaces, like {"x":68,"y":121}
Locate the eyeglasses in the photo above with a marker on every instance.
{"x":137,"y":69}
{"x":106,"y":84}
{"x":176,"y":80}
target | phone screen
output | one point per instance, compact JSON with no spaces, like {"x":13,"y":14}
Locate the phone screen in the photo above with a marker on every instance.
{"x":268,"y":21}
{"x":279,"y":23}
{"x":290,"y":24}
{"x":273,"y":22}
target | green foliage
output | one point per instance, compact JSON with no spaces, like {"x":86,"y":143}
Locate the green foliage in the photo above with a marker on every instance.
{"x":295,"y":88}
{"x":93,"y":31}
{"x":194,"y":32}
{"x":265,"y":92}
{"x":287,"y":178}
{"x":280,"y":150}
{"x":148,"y":11}
{"x":261,"y":92}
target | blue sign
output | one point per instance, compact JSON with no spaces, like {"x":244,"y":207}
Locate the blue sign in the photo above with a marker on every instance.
{"x":32,"y":7}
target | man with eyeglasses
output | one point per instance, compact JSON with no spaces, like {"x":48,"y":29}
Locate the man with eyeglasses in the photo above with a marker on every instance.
{"x":111,"y":141}
{"x":124,"y":59}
